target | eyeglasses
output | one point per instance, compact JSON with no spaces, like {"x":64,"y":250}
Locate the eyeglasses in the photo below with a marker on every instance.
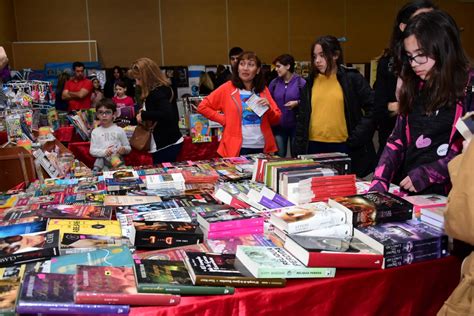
{"x":105,"y":113}
{"x":420,"y":59}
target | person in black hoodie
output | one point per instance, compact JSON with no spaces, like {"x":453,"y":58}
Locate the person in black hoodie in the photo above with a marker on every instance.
{"x":388,"y":68}
{"x":159,"y":108}
{"x":336,"y":109}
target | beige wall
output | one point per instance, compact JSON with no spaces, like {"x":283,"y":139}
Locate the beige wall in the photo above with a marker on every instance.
{"x":7,"y":27}
{"x":183,"y":32}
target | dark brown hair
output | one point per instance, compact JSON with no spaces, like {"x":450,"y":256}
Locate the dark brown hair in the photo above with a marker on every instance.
{"x":285,"y":60}
{"x":106,"y":103}
{"x":438,"y":38}
{"x":331,"y":48}
{"x":258,"y":81}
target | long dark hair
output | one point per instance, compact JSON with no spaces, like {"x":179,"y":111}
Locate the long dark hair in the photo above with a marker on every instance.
{"x":331,"y":48}
{"x":403,"y":16}
{"x":438,"y":37}
{"x":258,"y":80}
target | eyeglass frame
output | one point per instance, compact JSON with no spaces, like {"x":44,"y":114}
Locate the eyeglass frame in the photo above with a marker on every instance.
{"x":107,"y":112}
{"x":411,"y":59}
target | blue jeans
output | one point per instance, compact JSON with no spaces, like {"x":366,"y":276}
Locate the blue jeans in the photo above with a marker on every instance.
{"x":320,"y":147}
{"x":282,"y":135}
{"x":169,"y":154}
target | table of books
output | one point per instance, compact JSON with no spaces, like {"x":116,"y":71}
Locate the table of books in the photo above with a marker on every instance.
{"x":417,"y":289}
{"x":189,"y":151}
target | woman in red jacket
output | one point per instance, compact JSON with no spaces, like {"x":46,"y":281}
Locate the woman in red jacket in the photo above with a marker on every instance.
{"x":245,"y":108}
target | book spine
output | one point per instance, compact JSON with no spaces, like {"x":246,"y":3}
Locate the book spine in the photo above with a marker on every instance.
{"x":239,"y":282}
{"x":184,"y":289}
{"x":235,"y":232}
{"x":128,"y":299}
{"x":235,"y":224}
{"x":65,"y":308}
{"x":437,"y":243}
{"x":296,"y":272}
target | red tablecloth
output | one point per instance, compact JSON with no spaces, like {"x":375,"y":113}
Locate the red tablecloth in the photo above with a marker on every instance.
{"x":418,"y":289}
{"x":189,"y":151}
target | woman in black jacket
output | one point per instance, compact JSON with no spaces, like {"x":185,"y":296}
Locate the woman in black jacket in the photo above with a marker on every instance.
{"x":158,"y":107}
{"x":336,"y":109}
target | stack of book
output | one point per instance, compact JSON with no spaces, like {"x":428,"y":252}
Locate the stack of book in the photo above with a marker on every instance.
{"x":316,"y":189}
{"x":426,"y":201}
{"x":404,"y":243}
{"x":433,"y":216}
{"x":229,"y":223}
{"x":165,"y":181}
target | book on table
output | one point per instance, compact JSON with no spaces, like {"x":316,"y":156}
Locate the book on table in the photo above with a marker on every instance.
{"x":29,"y":247}
{"x":373,"y":208}
{"x":315,"y":251}
{"x":115,"y":285}
{"x":276,"y":262}
{"x":295,"y":219}
{"x":165,"y":276}
{"x":224,"y":270}
{"x":53,"y":293}
{"x":157,"y":235}
{"x":394,"y":239}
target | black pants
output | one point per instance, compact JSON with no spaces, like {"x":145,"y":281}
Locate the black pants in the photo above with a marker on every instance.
{"x":168,"y":154}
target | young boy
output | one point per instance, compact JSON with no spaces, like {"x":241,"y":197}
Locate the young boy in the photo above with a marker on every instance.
{"x":108,"y":141}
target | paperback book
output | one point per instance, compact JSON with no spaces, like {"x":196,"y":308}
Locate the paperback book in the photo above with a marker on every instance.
{"x":220,"y":270}
{"x":403,"y":237}
{"x":76,"y":212}
{"x":373,"y":208}
{"x":296,"y":219}
{"x":115,"y":285}
{"x":315,"y":251}
{"x":276,"y":262}
{"x":29,"y":247}
{"x":54,"y":293}
{"x":228,"y":219}
{"x":77,"y":243}
{"x":82,"y":226}
{"x":165,"y":276}
{"x":158,"y":235}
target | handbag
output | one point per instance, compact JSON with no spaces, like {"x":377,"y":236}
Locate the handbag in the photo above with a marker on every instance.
{"x":141,"y":136}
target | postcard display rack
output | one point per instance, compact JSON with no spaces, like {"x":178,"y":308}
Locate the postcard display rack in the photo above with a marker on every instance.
{"x":198,"y":127}
{"x":27,"y":115}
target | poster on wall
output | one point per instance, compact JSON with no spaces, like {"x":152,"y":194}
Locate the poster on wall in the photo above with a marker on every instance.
{"x":194,"y":72}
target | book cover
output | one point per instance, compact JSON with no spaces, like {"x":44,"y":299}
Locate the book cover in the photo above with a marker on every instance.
{"x":157,"y":235}
{"x":373,"y":208}
{"x":29,"y":247}
{"x":164,"y":276}
{"x":431,"y":221}
{"x":295,"y":219}
{"x":77,"y":243}
{"x":220,"y":270}
{"x":9,"y":288}
{"x":276,"y":262}
{"x":22,"y":228}
{"x":402,"y":237}
{"x":138,"y":211}
{"x":87,"y":198}
{"x":229,"y":245}
{"x":115,"y":285}
{"x":76,"y":212}
{"x":314,"y":251}
{"x":228,"y":219}
{"x":178,"y":214}
{"x":88,"y":227}
{"x":107,"y":257}
{"x":54,"y":293}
